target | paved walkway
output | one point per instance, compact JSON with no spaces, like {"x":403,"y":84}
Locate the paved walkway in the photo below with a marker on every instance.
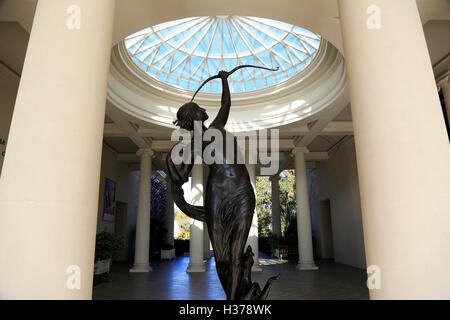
{"x":169,"y":281}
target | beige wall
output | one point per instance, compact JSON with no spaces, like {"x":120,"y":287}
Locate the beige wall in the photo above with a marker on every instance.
{"x":337,"y":180}
{"x":126,"y":191}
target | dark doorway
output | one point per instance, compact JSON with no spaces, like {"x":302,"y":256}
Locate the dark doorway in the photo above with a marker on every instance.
{"x":325,"y":245}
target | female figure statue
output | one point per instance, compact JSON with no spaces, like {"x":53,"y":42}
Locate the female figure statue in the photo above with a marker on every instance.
{"x":229,"y":201}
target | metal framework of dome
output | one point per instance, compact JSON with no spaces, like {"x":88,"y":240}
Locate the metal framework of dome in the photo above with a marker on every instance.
{"x":185,"y":52}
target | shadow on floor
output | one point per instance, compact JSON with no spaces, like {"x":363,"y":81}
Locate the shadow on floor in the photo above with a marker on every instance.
{"x":170,"y":281}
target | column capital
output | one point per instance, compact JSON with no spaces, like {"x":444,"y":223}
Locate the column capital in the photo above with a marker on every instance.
{"x":148,"y":151}
{"x":299,"y":149}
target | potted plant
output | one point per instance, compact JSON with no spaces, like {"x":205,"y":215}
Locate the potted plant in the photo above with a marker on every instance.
{"x":167,"y":252}
{"x":106,"y":245}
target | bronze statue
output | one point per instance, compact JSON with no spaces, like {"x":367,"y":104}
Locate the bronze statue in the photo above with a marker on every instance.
{"x":229,"y":201}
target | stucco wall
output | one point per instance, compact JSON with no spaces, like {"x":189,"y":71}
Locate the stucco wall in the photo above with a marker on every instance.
{"x":337,"y":180}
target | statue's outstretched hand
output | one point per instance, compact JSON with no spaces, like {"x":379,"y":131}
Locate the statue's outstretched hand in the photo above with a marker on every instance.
{"x":223,"y":74}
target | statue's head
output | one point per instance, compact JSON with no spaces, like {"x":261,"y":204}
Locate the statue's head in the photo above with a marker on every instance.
{"x":188,"y":113}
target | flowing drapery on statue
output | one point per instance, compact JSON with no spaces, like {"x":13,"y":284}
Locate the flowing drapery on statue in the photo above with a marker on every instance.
{"x":229,"y":198}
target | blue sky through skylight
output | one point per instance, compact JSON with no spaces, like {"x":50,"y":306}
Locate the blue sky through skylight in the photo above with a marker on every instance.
{"x":185,"y":52}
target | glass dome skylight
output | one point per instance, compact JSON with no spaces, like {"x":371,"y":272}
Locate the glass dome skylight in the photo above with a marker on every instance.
{"x":185,"y":52}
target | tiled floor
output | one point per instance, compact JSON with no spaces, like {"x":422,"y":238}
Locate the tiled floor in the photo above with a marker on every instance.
{"x":169,"y":280}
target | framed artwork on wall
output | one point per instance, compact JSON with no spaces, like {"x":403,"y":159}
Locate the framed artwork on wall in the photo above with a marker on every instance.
{"x":109,"y":206}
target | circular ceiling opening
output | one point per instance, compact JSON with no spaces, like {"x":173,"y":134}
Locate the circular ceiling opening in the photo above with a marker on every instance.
{"x":183,"y":53}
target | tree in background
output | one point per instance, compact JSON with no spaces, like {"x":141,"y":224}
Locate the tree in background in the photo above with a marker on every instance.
{"x":184,"y":227}
{"x":264,"y":206}
{"x":287,"y":203}
{"x":263,"y":209}
{"x":288,"y":210}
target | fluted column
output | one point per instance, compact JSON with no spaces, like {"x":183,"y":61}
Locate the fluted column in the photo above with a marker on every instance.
{"x":50,"y":177}
{"x":305,"y":254}
{"x":253,"y":234}
{"x":402,"y":149}
{"x":142,"y":247}
{"x":169,"y":215}
{"x":276,"y":208}
{"x":196,"y":241}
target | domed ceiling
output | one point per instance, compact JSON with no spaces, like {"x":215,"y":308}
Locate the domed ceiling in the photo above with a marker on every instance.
{"x":185,"y":52}
{"x":156,"y":70}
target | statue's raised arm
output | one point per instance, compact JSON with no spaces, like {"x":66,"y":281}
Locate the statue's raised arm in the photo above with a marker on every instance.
{"x":222,"y":116}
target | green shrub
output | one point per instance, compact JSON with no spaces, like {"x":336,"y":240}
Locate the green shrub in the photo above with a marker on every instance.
{"x":274,"y":242}
{"x":107,"y":244}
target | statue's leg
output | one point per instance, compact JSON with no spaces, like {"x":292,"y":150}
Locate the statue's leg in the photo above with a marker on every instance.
{"x":237,"y":273}
{"x":248,"y":262}
{"x":237,"y":251}
{"x":219,"y":239}
{"x":223,"y":261}
{"x":244,"y":212}
{"x":223,"y":268}
{"x":234,"y":218}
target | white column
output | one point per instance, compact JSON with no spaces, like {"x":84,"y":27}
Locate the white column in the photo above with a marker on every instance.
{"x":402,"y":149}
{"x":305,"y":249}
{"x":253,"y":234}
{"x":142,"y":247}
{"x":445,"y":87}
{"x":50,"y":179}
{"x":276,"y":209}
{"x":197,"y":227}
{"x":170,"y":216}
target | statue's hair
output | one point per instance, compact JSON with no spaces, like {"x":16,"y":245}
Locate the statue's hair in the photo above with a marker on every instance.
{"x":185,"y":115}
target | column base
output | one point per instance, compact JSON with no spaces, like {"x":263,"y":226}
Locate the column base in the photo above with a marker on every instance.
{"x":308,"y":265}
{"x":141,"y":267}
{"x":196,"y":268}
